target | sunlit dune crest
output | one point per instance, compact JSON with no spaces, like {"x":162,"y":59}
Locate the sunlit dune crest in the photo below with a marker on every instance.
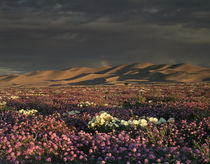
{"x":121,"y":74}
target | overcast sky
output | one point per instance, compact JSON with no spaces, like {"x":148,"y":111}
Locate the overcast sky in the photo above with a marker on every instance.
{"x":56,"y":34}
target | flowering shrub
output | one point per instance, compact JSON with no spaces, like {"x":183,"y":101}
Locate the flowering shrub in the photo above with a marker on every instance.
{"x":3,"y":103}
{"x":28,"y":111}
{"x":158,"y":130}
{"x":153,"y":120}
{"x":106,"y":122}
{"x":14,"y":97}
{"x":134,"y":123}
{"x":86,"y":104}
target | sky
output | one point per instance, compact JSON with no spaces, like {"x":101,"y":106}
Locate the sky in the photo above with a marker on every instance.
{"x":58,"y":34}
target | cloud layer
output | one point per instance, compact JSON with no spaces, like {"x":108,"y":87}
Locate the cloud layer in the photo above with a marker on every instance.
{"x":53,"y":34}
{"x":6,"y":71}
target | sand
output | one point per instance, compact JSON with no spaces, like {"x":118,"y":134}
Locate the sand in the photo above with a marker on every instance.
{"x":125,"y":73}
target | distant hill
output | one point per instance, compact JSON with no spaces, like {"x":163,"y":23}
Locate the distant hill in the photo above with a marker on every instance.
{"x":125,"y":73}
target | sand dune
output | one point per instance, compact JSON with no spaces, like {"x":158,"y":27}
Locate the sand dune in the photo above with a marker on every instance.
{"x":125,"y":73}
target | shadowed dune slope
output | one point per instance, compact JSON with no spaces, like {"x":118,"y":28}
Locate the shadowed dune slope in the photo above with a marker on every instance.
{"x":125,"y":73}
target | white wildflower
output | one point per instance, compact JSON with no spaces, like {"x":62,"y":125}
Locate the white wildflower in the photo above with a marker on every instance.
{"x":136,"y":122}
{"x":3,"y":103}
{"x":153,"y":120}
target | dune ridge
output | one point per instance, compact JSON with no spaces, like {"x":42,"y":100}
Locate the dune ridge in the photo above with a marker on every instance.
{"x":121,"y":74}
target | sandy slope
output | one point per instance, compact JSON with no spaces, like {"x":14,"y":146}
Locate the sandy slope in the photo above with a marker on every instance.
{"x":131,"y":73}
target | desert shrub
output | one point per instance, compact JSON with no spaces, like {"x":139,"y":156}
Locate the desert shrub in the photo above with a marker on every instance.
{"x":126,"y":83}
{"x":171,"y":98}
{"x":141,"y":98}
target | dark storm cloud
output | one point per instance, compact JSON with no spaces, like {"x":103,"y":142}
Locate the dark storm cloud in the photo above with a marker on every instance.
{"x":160,"y":11}
{"x":52,"y":34}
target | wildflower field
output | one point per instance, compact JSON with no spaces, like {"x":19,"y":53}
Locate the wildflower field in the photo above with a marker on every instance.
{"x":147,"y":123}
